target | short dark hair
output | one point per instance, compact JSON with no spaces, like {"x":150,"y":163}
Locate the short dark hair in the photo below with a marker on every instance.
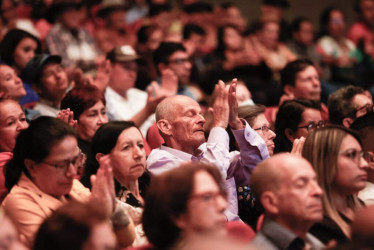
{"x":35,"y":143}
{"x":81,"y":98}
{"x":70,"y":226}
{"x":296,"y":23}
{"x":289,"y":116}
{"x":190,"y":29}
{"x":167,"y":199}
{"x":250,"y":112}
{"x":165,"y":50}
{"x":340,"y":103}
{"x":10,"y":42}
{"x":289,"y":73}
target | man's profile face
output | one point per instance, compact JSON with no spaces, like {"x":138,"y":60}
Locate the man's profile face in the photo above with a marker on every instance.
{"x":188,"y":123}
{"x":299,"y":195}
{"x":307,"y":84}
{"x":179,"y":62}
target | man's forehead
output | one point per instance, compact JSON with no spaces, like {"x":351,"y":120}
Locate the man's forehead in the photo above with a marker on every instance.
{"x":295,"y":167}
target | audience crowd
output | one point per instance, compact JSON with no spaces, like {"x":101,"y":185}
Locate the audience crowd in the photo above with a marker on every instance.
{"x":160,"y":124}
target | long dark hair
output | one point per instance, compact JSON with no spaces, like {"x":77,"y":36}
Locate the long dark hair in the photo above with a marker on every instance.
{"x":35,"y":143}
{"x":10,"y":42}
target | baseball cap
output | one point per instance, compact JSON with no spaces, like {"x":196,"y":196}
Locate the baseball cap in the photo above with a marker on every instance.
{"x":34,"y":67}
{"x":124,"y":53}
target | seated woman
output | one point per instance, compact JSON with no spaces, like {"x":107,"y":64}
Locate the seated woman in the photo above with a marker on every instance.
{"x":88,"y":106}
{"x":16,"y":49}
{"x":123,"y":143}
{"x":337,"y":157}
{"x":339,"y":54}
{"x":295,"y":119}
{"x":41,"y":177}
{"x":183,"y":203}
{"x":249,"y":209}
{"x":12,"y":122}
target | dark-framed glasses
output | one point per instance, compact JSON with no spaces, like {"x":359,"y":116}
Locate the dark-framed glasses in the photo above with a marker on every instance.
{"x":77,"y":162}
{"x":366,"y":108}
{"x":312,"y":126}
{"x":265,"y":128}
{"x":180,"y":61}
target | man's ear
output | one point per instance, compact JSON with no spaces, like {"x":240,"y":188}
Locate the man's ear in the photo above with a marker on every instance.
{"x":289,"y":134}
{"x":270,"y":202}
{"x":98,"y":156}
{"x":288,"y":89}
{"x":347,"y":122}
{"x":164,"y":126}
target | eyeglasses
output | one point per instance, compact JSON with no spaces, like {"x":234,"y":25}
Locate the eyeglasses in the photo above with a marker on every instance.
{"x":180,"y":61}
{"x":312,"y":126}
{"x":366,"y":108}
{"x":208,"y":197}
{"x":355,"y":155}
{"x":77,"y":162}
{"x":265,"y":128}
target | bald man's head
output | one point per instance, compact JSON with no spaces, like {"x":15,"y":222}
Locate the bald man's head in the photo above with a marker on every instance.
{"x":286,"y":185}
{"x":181,"y":123}
{"x":171,"y":105}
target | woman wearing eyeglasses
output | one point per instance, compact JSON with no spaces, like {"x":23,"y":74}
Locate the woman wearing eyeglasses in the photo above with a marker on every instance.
{"x":249,"y":209}
{"x":184,"y":202}
{"x":337,"y":157}
{"x":295,"y":119}
{"x":41,"y":177}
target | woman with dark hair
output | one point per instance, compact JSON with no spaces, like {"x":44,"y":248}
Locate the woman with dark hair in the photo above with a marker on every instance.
{"x":339,"y":162}
{"x":41,"y":176}
{"x":295,"y":119}
{"x":338,"y":53}
{"x":182,"y":202}
{"x":122,"y":142}
{"x":16,"y":49}
{"x":88,"y":106}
